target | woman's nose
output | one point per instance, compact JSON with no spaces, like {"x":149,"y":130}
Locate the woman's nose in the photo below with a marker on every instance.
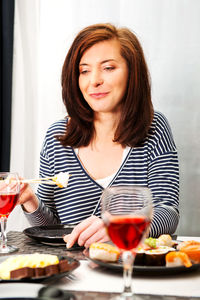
{"x":96,"y":78}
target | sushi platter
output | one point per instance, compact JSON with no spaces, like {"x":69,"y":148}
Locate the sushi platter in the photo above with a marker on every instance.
{"x":161,"y":256}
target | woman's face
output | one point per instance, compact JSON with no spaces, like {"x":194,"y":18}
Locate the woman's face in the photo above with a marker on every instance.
{"x":103,"y":75}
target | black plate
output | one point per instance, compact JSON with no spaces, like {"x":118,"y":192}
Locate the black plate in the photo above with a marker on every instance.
{"x":50,"y":235}
{"x":143,"y":270}
{"x":44,"y":279}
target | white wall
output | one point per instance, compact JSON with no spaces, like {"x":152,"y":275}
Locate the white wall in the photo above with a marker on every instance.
{"x":169,"y":33}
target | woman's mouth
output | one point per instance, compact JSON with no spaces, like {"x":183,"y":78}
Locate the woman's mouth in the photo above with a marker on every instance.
{"x":98,"y":95}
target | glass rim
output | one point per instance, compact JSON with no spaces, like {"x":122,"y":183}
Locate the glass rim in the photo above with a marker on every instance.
{"x":128,"y":187}
{"x":17,"y":180}
{"x":111,"y":192}
{"x":7,"y":172}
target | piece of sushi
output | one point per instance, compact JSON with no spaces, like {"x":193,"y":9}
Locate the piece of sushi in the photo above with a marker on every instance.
{"x":187,"y":243}
{"x":104,"y":252}
{"x":163,"y":240}
{"x":177,"y":258}
{"x":61,"y":179}
{"x":156,"y":257}
{"x":193,"y":252}
{"x":140,"y":256}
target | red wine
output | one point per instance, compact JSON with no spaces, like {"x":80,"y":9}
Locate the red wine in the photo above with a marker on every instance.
{"x":126,"y":232}
{"x":7,"y":203}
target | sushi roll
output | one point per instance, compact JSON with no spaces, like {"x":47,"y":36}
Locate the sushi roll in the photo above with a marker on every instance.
{"x":177,"y":258}
{"x":156,"y":257}
{"x":140,"y":256}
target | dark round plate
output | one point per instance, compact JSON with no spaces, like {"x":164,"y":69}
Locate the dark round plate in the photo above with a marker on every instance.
{"x":44,"y":279}
{"x":50,"y":235}
{"x":143,"y":270}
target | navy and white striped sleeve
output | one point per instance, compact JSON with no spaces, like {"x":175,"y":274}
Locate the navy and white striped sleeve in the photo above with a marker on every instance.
{"x":46,"y":212}
{"x":163,"y":178}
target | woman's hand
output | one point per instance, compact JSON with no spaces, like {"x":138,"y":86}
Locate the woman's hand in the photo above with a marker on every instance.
{"x":27,"y":198}
{"x":89,"y":231}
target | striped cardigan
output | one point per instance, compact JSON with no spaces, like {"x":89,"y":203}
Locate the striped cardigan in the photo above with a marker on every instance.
{"x":155,"y":165}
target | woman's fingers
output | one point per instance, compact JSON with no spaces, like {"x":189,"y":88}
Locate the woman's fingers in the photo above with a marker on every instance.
{"x":99,"y":236}
{"x":87,"y":232}
{"x":66,"y":237}
{"x":73,"y":237}
{"x":92,"y":233}
{"x":26,"y":194}
{"x":23,"y":195}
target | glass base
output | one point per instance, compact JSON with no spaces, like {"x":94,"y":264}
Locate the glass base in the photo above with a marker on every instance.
{"x":124,"y":296}
{"x":8,"y":249}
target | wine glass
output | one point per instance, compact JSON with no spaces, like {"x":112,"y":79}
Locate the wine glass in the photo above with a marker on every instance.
{"x":127,"y":213}
{"x":9,"y":193}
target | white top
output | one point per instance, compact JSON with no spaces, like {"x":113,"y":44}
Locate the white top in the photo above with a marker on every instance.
{"x":104,"y":182}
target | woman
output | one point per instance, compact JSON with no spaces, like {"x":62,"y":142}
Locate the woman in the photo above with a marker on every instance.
{"x":111,"y":136}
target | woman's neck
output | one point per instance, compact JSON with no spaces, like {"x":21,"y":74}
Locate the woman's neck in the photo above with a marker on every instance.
{"x":105,"y":126}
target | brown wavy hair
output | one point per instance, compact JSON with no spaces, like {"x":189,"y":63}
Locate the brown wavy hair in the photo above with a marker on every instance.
{"x":136,"y":107}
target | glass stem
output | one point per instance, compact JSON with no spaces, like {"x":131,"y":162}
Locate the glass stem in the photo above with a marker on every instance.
{"x":3,"y":233}
{"x":128,"y":259}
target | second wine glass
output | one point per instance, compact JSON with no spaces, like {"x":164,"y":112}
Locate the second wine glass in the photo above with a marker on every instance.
{"x":127,"y":213}
{"x":9,"y":193}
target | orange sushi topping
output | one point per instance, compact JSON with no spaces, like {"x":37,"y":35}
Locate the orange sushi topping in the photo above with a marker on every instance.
{"x":171,"y":256}
{"x":187,"y":243}
{"x":107,"y":247}
{"x":193,"y":252}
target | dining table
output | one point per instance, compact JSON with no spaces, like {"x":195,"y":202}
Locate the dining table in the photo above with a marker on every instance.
{"x":94,"y":281}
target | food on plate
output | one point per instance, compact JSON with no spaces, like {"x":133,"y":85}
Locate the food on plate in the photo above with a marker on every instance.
{"x":163,"y":240}
{"x":32,"y":265}
{"x":156,"y":257}
{"x":150,"y":242}
{"x":192,"y":249}
{"x":104,"y":252}
{"x":61,"y":179}
{"x":153,"y":251}
{"x":177,"y":258}
{"x":162,"y":251}
{"x":25,"y":272}
{"x":187,"y":243}
{"x":140,"y":256}
{"x":193,"y":252}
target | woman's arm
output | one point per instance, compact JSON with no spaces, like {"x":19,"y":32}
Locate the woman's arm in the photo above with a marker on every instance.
{"x":163,"y":179}
{"x":40,"y":208}
{"x":164,"y":184}
{"x":36,"y":212}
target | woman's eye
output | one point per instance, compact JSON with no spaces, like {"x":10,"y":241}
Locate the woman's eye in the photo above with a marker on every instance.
{"x":84,"y":72}
{"x":109,"y":68}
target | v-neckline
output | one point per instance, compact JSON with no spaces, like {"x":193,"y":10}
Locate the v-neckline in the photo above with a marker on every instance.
{"x":125,"y":155}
